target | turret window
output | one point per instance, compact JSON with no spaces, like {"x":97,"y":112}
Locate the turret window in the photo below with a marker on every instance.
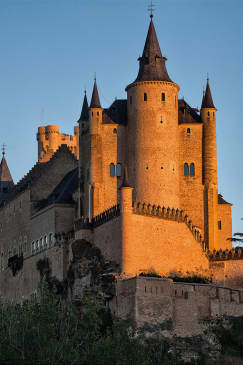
{"x":188,"y":131}
{"x":186,"y":169}
{"x":209,"y":114}
{"x":163,"y":96}
{"x":192,"y":169}
{"x":145,"y":98}
{"x":112,"y":170}
{"x":219,"y":225}
{"x":119,"y":170}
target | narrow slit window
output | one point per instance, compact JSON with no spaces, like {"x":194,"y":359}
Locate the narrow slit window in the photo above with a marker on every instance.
{"x":186,"y":169}
{"x":188,"y":131}
{"x":112,"y":169}
{"x":145,"y":98}
{"x":163,"y":96}
{"x":192,"y":169}
{"x":209,"y":114}
{"x":219,"y":225}
{"x":119,"y":170}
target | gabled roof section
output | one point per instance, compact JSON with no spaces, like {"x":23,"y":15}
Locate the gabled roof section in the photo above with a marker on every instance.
{"x":186,"y":114}
{"x":207,"y":101}
{"x":85,"y":110}
{"x":221,"y":200}
{"x":95,"y":100}
{"x":152,"y":64}
{"x":38,"y":170}
{"x":116,"y":113}
{"x":5,"y":174}
{"x":62,"y":194}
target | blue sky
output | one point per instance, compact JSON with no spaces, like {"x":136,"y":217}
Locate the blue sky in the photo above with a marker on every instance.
{"x":51,"y":49}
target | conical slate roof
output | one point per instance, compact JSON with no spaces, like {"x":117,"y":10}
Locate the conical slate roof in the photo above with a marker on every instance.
{"x":207,"y":101}
{"x":95,"y":100}
{"x":152,"y":64}
{"x":85,"y":110}
{"x":4,"y":171}
{"x":125,"y":183}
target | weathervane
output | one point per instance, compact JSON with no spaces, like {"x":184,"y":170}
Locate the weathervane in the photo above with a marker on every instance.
{"x":151,"y":9}
{"x":3,"y":149}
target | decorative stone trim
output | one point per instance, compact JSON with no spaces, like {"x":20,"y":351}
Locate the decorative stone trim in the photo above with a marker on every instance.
{"x":220,"y":255}
{"x":172,"y":84}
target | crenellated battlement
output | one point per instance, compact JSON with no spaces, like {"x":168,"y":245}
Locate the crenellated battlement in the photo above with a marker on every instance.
{"x":107,"y":215}
{"x":170,"y":214}
{"x":224,"y":255}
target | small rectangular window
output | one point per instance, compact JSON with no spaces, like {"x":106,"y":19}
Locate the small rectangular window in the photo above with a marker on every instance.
{"x":163,"y":96}
{"x":220,"y":225}
{"x":145,"y":97}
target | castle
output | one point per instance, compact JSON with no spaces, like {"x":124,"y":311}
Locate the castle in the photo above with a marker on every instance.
{"x":138,"y":180}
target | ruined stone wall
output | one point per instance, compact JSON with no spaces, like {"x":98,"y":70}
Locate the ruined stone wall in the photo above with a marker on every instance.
{"x":191,"y":188}
{"x":164,"y":306}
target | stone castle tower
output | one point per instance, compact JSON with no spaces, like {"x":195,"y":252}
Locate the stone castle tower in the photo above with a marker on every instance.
{"x":169,"y":151}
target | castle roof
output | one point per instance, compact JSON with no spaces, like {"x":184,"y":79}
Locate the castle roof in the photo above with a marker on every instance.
{"x":221,"y":200}
{"x":207,"y":101}
{"x":38,"y":170}
{"x":116,"y":113}
{"x":186,"y":114}
{"x":152,"y":64}
{"x":85,"y":110}
{"x":95,"y":100}
{"x":62,"y":194}
{"x":5,"y":174}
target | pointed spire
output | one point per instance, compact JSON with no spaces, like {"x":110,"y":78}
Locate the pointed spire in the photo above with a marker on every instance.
{"x":207,"y":101}
{"x":152,"y":64}
{"x":95,"y":100}
{"x":5,"y":175}
{"x":125,"y":183}
{"x":85,"y":109}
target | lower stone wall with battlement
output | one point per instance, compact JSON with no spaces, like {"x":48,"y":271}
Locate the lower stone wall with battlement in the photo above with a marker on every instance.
{"x":171,"y":308}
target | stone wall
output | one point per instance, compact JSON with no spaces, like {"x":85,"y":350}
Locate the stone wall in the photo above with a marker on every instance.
{"x":166,"y":307}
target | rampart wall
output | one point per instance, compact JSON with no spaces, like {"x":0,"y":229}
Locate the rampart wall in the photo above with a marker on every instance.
{"x":181,"y":309}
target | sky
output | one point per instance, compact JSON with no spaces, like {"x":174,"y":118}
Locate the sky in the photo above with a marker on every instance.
{"x":50,"y":51}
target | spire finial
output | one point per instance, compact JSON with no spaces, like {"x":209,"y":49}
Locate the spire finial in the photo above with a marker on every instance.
{"x":3,"y":149}
{"x":207,"y":77}
{"x":95,"y":76}
{"x":151,"y":9}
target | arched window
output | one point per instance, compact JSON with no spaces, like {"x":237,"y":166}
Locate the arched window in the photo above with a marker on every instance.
{"x":118,"y":170}
{"x":112,"y":169}
{"x":186,"y":169}
{"x":145,"y":97}
{"x":192,"y":169}
{"x":188,"y":131}
{"x":163,"y":96}
{"x":115,"y":131}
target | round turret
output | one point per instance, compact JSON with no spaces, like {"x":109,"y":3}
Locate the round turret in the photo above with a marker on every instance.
{"x":52,"y":133}
{"x":153,"y":139}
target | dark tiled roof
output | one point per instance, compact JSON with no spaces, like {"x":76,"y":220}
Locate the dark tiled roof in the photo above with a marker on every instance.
{"x":95,"y":100}
{"x":221,"y":200}
{"x":152,"y":64}
{"x":207,"y":101}
{"x":186,"y":114}
{"x":85,"y":110}
{"x":62,"y":194}
{"x":116,"y":113}
{"x":37,"y":170}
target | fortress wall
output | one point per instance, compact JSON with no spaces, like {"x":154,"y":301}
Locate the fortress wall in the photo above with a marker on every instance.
{"x":107,"y":237}
{"x":15,"y":226}
{"x":191,"y":188}
{"x":228,"y":273}
{"x":164,"y":306}
{"x":161,"y":245}
{"x":224,"y":215}
{"x":27,"y":279}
